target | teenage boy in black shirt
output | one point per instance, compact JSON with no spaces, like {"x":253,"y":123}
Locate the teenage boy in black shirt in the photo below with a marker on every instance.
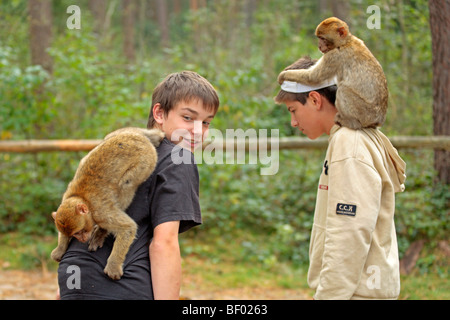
{"x":183,"y":105}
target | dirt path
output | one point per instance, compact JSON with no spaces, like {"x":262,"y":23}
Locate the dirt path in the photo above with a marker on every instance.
{"x":37,"y":285}
{"x":27,"y":285}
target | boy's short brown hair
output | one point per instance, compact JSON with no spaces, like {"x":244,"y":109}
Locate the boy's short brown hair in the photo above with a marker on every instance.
{"x":305,"y":63}
{"x":183,"y":86}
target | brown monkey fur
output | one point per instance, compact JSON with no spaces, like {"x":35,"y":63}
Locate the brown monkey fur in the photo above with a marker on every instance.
{"x":362,"y":95}
{"x":102,"y":188}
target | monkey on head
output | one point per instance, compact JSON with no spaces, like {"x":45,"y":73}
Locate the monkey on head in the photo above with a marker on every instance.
{"x":103,"y":187}
{"x":362,"y":95}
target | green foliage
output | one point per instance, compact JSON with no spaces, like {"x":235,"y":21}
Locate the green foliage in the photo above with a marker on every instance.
{"x":21,"y":108}
{"x":422,"y":211}
{"x":31,"y":190}
{"x":22,"y":251}
{"x":93,"y":91}
{"x":282,"y":206}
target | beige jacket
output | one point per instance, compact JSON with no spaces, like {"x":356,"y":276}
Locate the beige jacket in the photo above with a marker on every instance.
{"x":353,"y":250}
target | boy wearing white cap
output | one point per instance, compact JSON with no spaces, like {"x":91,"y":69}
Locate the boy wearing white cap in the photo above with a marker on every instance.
{"x":353,"y":246}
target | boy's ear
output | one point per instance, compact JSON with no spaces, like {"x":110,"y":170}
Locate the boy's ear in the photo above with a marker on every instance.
{"x":158,"y":113}
{"x":316,"y":99}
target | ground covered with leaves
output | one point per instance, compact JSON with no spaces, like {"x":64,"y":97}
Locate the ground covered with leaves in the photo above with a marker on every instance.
{"x":212,"y":270}
{"x":42,"y":285}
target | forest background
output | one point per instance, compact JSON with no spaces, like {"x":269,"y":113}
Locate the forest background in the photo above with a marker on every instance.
{"x":100,"y":77}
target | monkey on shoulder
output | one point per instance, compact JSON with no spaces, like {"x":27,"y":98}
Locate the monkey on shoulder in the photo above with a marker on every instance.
{"x":362,"y":95}
{"x":103,"y":187}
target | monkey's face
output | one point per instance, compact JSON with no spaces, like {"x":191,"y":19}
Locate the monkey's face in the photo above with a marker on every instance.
{"x":325,"y":45}
{"x":73,"y":220}
{"x":332,"y":33}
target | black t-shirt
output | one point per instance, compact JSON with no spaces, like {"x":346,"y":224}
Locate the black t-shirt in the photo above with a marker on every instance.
{"x":169,"y":194}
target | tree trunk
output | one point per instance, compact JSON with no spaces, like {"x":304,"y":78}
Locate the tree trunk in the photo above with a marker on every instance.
{"x":341,"y":10}
{"x":250,"y":7}
{"x":163,"y":21}
{"x":193,"y":5}
{"x":128,"y":18}
{"x":324,"y":8}
{"x":98,"y":8}
{"x":177,"y":7}
{"x":40,"y":12}
{"x":411,"y":256}
{"x":405,"y":51}
{"x":440,"y":37}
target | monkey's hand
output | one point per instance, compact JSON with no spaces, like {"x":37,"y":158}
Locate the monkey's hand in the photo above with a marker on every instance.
{"x":113,"y":270}
{"x":97,"y":239}
{"x":282,"y":77}
{"x":289,"y":75}
{"x":301,"y":76}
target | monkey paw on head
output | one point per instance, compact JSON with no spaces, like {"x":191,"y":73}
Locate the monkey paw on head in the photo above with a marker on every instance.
{"x":294,"y":76}
{"x":95,"y":201}
{"x":281,"y":77}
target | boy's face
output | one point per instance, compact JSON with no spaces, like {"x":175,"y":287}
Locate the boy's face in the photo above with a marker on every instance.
{"x":306,"y":118}
{"x":186,"y":124}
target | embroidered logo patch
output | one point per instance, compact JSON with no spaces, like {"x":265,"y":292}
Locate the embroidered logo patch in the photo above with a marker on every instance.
{"x":346,"y":209}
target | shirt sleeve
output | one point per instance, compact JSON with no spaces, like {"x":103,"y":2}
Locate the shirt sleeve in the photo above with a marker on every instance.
{"x":352,"y":211}
{"x":176,"y":196}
